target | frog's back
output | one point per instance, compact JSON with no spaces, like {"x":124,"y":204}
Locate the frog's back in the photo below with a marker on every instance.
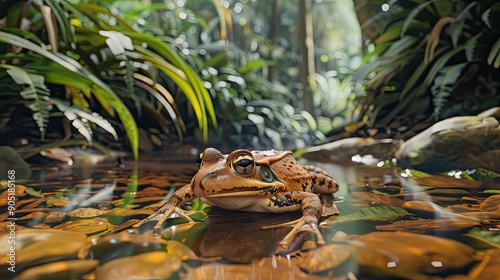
{"x":287,"y":170}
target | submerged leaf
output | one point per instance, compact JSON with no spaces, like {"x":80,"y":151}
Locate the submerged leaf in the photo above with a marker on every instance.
{"x":488,"y":268}
{"x":428,"y":225}
{"x":324,"y":257}
{"x":151,"y":265}
{"x":33,"y":192}
{"x":377,"y":213}
{"x":483,"y":238}
{"x":492,"y":204}
{"x":409,"y":255}
{"x":69,"y":269}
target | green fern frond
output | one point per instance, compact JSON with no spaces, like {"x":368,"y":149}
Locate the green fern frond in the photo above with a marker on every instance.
{"x":444,"y":83}
{"x":494,"y":55}
{"x":34,"y":91}
{"x":486,"y":18}
{"x":470,"y":48}
{"x":413,"y":14}
{"x":457,"y":25}
{"x":81,"y":118}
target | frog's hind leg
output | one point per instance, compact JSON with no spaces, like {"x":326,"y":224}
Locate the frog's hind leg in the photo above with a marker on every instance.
{"x":326,"y":186}
{"x":322,"y":182}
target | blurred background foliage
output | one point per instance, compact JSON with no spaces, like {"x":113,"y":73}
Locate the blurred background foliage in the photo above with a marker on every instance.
{"x":219,"y":71}
{"x":231,"y":72}
{"x":425,"y":61}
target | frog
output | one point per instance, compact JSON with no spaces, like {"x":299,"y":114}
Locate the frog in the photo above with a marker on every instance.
{"x":269,"y":181}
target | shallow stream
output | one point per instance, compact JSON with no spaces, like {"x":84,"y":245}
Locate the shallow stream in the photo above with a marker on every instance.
{"x":75,"y":223}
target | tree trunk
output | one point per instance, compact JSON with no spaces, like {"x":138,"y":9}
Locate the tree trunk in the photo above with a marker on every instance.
{"x":305,"y":38}
{"x":273,"y":25}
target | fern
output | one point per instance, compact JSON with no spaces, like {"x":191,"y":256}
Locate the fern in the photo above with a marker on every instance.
{"x":470,"y":47}
{"x":80,"y":119}
{"x":486,"y":18}
{"x":457,"y":25}
{"x":494,"y":55}
{"x":34,"y":91}
{"x":444,"y":84}
{"x":414,"y":13}
{"x":119,"y":44}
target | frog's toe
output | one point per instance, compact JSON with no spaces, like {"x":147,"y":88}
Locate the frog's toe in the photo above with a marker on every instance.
{"x":166,"y":211}
{"x":300,"y":225}
{"x":328,"y":205}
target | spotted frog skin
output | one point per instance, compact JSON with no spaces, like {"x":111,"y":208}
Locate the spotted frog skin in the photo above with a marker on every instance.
{"x":257,"y":181}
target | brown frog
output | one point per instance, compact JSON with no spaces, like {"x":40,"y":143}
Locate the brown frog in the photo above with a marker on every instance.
{"x":257,"y":181}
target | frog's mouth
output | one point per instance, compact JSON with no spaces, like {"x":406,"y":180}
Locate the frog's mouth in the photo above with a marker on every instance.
{"x":244,"y":191}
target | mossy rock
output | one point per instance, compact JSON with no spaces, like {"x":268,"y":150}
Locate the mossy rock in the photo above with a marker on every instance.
{"x":11,"y":160}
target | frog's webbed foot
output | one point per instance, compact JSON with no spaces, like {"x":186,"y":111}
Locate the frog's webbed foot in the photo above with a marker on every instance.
{"x":299,"y":225}
{"x":166,"y":211}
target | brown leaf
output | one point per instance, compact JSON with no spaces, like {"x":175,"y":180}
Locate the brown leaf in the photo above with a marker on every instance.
{"x":324,"y":257}
{"x":88,"y":226}
{"x":409,"y":255}
{"x":70,"y":269}
{"x":492,"y":204}
{"x":151,"y":265}
{"x":428,"y":225}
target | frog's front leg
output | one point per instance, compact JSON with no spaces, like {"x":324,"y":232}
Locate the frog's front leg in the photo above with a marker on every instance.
{"x":181,"y":196}
{"x":311,"y":211}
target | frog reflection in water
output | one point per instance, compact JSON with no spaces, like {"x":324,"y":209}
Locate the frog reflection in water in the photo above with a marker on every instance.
{"x":257,"y":181}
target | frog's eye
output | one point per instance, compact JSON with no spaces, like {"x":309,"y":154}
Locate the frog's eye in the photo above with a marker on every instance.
{"x":199,"y":160}
{"x":243,"y":165}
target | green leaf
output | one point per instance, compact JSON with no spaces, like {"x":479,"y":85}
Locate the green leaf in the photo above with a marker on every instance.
{"x":100,"y":90}
{"x":486,"y":18}
{"x":254,"y":65}
{"x":494,"y":55}
{"x":32,"y":192}
{"x":376,"y":213}
{"x":470,"y":48}
{"x":457,"y":25}
{"x":202,"y":101}
{"x":72,"y":112}
{"x":400,"y":46}
{"x":483,"y":239}
{"x":392,"y":33}
{"x":482,"y":175}
{"x":444,"y":83}
{"x":455,"y":31}
{"x":414,"y":13}
{"x":491,"y":192}
{"x":34,"y":90}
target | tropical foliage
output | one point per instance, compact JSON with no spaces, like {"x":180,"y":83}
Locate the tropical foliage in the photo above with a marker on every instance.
{"x":429,"y":60}
{"x":91,"y":64}
{"x":105,"y":65}
{"x":251,"y":110}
